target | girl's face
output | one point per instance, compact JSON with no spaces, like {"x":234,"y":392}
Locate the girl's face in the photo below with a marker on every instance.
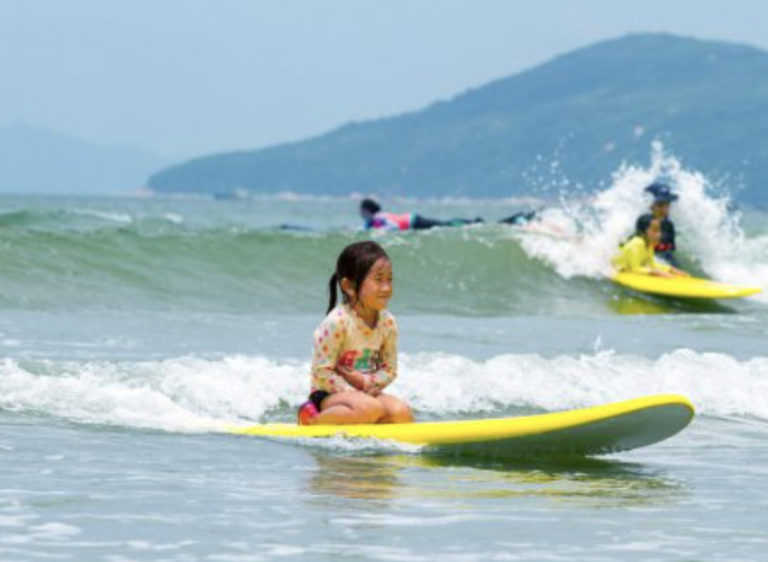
{"x":376,"y":289}
{"x":653,"y":234}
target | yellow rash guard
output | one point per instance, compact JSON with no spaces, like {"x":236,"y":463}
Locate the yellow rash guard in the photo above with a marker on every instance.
{"x":636,"y":257}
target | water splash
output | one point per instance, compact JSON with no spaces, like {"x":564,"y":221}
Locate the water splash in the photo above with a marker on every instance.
{"x":588,"y":231}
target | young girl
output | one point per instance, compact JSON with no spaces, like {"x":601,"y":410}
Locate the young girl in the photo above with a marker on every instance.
{"x":355,"y":354}
{"x":637,"y":254}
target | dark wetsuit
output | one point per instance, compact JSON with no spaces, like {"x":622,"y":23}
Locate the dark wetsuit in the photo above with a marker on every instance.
{"x":420,"y":223}
{"x":519,"y":219}
{"x":665,"y":249}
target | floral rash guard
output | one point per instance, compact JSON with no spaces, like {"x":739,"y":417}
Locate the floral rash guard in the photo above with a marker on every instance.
{"x":343,"y":338}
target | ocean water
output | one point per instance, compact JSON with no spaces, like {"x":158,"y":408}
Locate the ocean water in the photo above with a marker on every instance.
{"x":132,"y":329}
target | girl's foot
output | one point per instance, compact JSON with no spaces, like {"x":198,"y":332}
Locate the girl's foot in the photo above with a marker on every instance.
{"x":307,"y":411}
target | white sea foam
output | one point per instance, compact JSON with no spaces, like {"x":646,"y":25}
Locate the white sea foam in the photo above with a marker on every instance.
{"x":195,"y":394}
{"x":718,"y":384}
{"x":122,"y":218}
{"x":175,"y":218}
{"x":185,"y":394}
{"x":54,"y":530}
{"x":360,"y":446}
{"x":587,"y":232}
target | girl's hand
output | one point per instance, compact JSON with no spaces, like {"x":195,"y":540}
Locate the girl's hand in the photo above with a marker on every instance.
{"x":372,"y":389}
{"x":680,"y":272}
{"x":359,"y":380}
{"x":355,"y":378}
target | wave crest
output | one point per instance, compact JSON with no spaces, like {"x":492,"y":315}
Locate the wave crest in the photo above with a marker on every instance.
{"x":197,"y":394}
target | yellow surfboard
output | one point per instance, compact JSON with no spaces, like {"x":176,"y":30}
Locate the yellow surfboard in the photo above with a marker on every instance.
{"x":609,"y":428}
{"x":683,"y":287}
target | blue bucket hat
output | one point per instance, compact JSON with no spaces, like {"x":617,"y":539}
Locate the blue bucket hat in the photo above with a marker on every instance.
{"x":661,"y":192}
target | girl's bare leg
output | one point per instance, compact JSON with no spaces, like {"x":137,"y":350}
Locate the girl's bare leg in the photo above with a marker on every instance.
{"x":395,"y":410}
{"x":349,"y":407}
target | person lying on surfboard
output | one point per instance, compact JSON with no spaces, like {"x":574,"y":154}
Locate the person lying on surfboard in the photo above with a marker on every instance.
{"x":537,"y":222}
{"x":662,"y":198}
{"x":637,"y":254}
{"x":521,"y":218}
{"x":355,"y":346}
{"x":375,"y":218}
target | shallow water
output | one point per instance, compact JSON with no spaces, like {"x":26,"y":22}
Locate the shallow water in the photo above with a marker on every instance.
{"x":97,"y":493}
{"x":133,"y":329}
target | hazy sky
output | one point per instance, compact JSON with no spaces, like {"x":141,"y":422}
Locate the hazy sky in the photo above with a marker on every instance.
{"x":187,"y":77}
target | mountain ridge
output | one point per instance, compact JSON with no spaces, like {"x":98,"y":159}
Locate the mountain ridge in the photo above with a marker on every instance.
{"x":34,"y":159}
{"x":591,"y":109}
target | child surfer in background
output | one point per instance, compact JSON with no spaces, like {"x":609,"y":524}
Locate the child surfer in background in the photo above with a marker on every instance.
{"x":355,"y":346}
{"x":662,"y":198}
{"x":637,"y":255}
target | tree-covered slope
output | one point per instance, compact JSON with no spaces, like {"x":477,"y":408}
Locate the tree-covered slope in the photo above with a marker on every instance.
{"x":589,"y":109}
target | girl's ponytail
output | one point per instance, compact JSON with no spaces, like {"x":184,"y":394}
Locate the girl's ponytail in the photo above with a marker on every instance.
{"x":332,"y":292}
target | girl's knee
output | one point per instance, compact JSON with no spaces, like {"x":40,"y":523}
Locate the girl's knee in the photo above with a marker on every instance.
{"x":351,"y":407}
{"x":366,"y":409}
{"x":402,"y":413}
{"x":398,"y":411}
{"x":372,"y":410}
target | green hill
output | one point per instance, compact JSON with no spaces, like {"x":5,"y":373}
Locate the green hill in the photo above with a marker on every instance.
{"x":589,"y":109}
